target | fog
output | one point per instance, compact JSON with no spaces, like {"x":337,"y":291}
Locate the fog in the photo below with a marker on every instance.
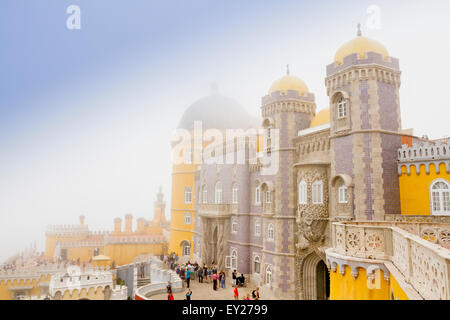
{"x":86,"y":116}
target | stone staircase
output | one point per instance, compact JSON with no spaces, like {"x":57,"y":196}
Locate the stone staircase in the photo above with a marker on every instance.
{"x":143,"y":282}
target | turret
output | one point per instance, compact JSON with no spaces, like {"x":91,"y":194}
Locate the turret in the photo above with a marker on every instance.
{"x":141,"y":225}
{"x":82,"y":220}
{"x":363,"y":86}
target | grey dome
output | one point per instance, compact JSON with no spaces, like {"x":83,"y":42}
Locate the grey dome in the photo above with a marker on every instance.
{"x":216,"y":111}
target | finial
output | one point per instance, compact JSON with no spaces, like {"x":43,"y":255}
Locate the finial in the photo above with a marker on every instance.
{"x":287,"y":69}
{"x":359,"y":34}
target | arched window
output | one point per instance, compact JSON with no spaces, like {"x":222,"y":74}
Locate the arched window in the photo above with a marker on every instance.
{"x":341,"y":108}
{"x":234,"y":226}
{"x":258,"y":194}
{"x":205,"y":194}
{"x":317,"y":192}
{"x":302,"y":193}
{"x":256,"y":264}
{"x":270,"y":232}
{"x":268,"y":196}
{"x":218,"y":197}
{"x":234,"y":193}
{"x":268,"y":279}
{"x":440,"y":197}
{"x":343,"y":194}
{"x":186,"y":248}
{"x":234,"y":259}
{"x":187,"y":195}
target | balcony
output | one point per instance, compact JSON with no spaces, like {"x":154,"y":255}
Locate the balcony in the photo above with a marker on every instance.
{"x":424,"y":264}
{"x":209,"y":210}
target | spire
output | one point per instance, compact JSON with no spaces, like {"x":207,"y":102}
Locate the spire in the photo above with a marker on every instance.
{"x":287,"y":69}
{"x":359,"y":34}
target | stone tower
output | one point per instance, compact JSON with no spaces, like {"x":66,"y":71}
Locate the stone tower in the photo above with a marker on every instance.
{"x":288,"y":108}
{"x":363,"y":88}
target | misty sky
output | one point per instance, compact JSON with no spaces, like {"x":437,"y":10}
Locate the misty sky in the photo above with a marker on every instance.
{"x":86,"y":116}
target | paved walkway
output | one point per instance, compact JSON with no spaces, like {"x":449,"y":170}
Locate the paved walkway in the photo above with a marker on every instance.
{"x":204,"y":291}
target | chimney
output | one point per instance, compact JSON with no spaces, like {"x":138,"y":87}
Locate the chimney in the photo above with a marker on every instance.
{"x":82,"y":220}
{"x":129,"y":223}
{"x":141,"y":225}
{"x":117,"y":225}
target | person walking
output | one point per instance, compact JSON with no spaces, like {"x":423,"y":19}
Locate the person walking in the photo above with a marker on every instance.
{"x":170,"y":296}
{"x":200,"y":275}
{"x":188,"y":294}
{"x":236,"y":293}
{"x":234,"y":275}
{"x":223,"y":280}
{"x":214,"y":278}
{"x":188,"y":276}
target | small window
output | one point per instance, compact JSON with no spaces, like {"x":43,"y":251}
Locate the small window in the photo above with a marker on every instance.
{"x":268,"y":196}
{"x":342,"y":108}
{"x":257,"y":228}
{"x":258,"y":194}
{"x":343,"y":194}
{"x":234,"y":259}
{"x":302,"y":193}
{"x":234,"y":226}
{"x":257,"y":265}
{"x":235,"y":193}
{"x":268,"y":275}
{"x":186,"y":249}
{"x":187,"y":218}
{"x":440,"y":197}
{"x":218,"y":197}
{"x":317,"y":192}
{"x":270,"y":232}
{"x":187,"y":195}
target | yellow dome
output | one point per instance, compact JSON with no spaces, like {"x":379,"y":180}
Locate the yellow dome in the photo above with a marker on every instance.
{"x":289,"y":82}
{"x":360,"y":45}
{"x":322,"y":117}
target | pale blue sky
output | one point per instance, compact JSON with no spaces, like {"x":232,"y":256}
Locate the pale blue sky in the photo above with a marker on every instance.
{"x":86,"y":115}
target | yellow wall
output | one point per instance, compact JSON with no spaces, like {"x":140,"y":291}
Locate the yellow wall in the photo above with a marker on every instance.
{"x":345,"y":287}
{"x":125,"y":253}
{"x":396,"y":290}
{"x":6,"y":294}
{"x":415,"y":189}
{"x":182,"y":176}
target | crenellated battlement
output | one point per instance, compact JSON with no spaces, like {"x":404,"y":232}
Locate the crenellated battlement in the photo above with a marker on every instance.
{"x":67,"y":229}
{"x":136,"y":239}
{"x":425,"y":154}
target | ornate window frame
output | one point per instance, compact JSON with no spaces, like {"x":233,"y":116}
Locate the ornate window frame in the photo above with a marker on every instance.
{"x":218,"y":193}
{"x":443,"y":198}
{"x":303,"y":192}
{"x":234,"y":193}
{"x":234,"y":226}
{"x":271,"y":232}
{"x":187,"y":195}
{"x":317,"y":192}
{"x":256,"y":260}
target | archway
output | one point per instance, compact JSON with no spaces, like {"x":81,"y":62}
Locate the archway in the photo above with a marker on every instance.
{"x":316,"y":279}
{"x":322,"y":281}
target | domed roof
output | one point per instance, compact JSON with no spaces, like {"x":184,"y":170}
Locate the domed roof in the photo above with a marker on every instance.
{"x":215,"y":111}
{"x":360,"y":45}
{"x":322,"y":117}
{"x":289,"y":82}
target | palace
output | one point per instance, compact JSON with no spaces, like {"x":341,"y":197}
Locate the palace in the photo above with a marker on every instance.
{"x":358,"y":207}
{"x":74,"y":253}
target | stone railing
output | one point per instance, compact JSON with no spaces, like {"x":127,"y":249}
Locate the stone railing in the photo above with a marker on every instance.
{"x":119,"y":293}
{"x":424,"y":265}
{"x":214,"y":210}
{"x":35,"y":271}
{"x":79,"y":278}
{"x":425,"y":151}
{"x":434,"y":232}
{"x":159,"y":279}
